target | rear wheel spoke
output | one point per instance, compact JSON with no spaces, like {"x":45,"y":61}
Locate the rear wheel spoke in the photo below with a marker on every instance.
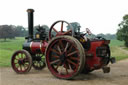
{"x":69,"y":61}
{"x":53,"y":50}
{"x":61,"y":44}
{"x":58,"y":65}
{"x":66,"y":47}
{"x":66,"y":69}
{"x":55,"y":61}
{"x":58,"y":47}
{"x":55,"y":56}
{"x":74,"y":58}
{"x":70,"y":49}
{"x":70,"y":54}
{"x":70,"y":67}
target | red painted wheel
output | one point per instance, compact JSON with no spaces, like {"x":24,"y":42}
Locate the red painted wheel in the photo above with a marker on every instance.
{"x":65,"y":57}
{"x":21,"y":61}
{"x":65,"y":28}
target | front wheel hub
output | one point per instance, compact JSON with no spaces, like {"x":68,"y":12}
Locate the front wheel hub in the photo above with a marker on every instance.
{"x":20,"y":62}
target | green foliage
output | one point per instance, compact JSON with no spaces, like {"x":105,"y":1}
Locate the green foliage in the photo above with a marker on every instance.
{"x":6,"y":31}
{"x":20,"y":31}
{"x":11,"y":31}
{"x":122,"y":33}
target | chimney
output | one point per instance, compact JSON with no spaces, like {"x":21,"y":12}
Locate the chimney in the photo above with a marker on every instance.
{"x":30,"y":23}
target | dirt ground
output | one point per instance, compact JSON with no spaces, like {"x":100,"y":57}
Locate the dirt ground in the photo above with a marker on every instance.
{"x":117,"y":76}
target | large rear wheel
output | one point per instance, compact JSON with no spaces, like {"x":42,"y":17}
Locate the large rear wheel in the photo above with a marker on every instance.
{"x":65,"y":57}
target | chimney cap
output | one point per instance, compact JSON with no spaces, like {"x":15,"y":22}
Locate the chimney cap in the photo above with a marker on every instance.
{"x":30,"y":10}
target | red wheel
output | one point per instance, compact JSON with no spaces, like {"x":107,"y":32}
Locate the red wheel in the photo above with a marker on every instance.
{"x":21,"y":61}
{"x":64,"y":29}
{"x":64,"y":57}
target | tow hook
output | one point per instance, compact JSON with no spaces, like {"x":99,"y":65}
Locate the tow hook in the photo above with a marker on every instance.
{"x":112,"y":60}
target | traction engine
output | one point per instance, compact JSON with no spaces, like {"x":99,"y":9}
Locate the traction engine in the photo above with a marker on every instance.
{"x":66,"y":51}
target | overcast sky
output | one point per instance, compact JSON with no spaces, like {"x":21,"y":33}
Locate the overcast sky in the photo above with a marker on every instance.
{"x":100,"y":16}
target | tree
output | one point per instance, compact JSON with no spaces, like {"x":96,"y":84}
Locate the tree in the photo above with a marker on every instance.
{"x":11,"y":31}
{"x":6,"y":31}
{"x":122,"y":33}
{"x":20,"y":31}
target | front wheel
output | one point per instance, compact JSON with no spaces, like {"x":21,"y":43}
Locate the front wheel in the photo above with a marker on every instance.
{"x":21,"y":61}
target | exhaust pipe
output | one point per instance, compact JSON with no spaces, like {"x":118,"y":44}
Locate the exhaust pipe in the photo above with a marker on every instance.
{"x":30,"y":23}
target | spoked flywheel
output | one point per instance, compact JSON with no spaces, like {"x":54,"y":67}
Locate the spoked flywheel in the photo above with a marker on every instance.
{"x":59,"y":28}
{"x":65,"y":57}
{"x":21,"y":61}
{"x":38,"y":61}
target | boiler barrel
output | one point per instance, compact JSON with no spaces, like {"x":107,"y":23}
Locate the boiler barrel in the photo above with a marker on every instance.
{"x":35,"y":47}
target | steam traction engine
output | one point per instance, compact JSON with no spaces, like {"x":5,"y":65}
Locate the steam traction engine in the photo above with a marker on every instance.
{"x":67,"y":53}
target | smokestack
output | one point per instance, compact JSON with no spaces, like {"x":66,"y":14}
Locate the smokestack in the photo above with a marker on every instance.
{"x":30,"y":23}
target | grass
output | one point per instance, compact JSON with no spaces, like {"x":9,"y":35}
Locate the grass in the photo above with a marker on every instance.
{"x":10,"y":46}
{"x":118,"y":53}
{"x":117,"y":50}
{"x":116,"y":43}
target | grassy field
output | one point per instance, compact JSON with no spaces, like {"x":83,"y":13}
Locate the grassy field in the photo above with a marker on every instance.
{"x":118,"y":50}
{"x":10,"y":46}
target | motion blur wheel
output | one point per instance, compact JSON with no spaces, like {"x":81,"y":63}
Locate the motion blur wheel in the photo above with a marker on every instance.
{"x":65,"y":57}
{"x":21,"y":61}
{"x":39,"y":62}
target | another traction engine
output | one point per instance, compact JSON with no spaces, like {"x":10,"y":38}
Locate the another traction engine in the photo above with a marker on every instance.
{"x":66,"y":51}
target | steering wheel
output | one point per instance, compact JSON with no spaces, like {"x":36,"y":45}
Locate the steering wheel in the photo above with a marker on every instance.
{"x":53,"y":32}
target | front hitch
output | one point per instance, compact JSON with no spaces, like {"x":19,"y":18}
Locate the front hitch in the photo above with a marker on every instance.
{"x":113,"y":60}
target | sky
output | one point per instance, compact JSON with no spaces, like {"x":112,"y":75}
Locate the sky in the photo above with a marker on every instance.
{"x":100,"y":16}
